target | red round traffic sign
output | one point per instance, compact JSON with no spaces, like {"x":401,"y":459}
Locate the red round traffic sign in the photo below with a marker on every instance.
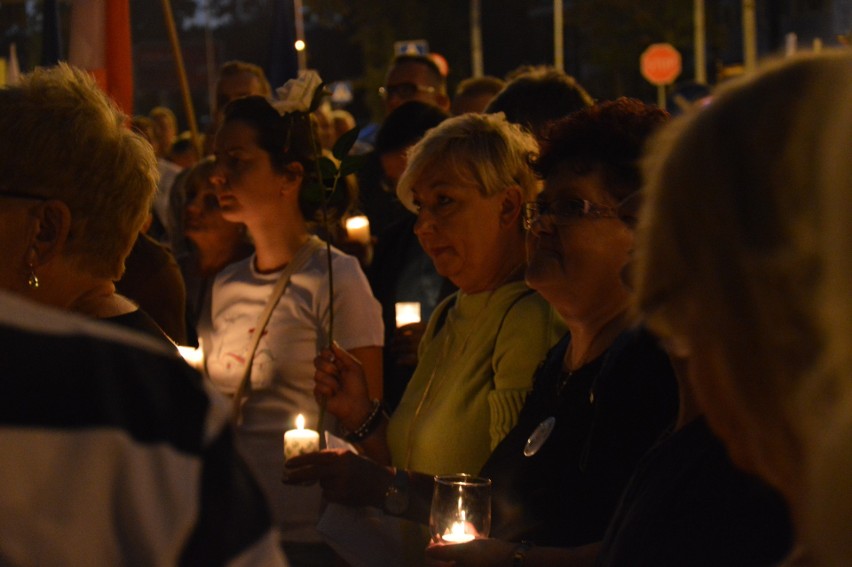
{"x":660,"y":64}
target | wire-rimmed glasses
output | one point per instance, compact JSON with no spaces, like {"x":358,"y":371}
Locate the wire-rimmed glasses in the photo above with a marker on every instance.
{"x":564,"y":212}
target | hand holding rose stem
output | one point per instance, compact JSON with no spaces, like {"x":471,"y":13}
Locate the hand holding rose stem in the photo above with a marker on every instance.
{"x":302,"y":97}
{"x":341,"y":383}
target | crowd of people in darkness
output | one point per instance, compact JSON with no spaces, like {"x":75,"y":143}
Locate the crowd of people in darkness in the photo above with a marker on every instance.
{"x":634,"y":325}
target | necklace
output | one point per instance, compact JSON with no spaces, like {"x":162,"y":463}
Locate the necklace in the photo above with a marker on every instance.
{"x":542,"y":432}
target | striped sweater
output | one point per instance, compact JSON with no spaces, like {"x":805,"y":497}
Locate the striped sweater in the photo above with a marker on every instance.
{"x":113,"y":452}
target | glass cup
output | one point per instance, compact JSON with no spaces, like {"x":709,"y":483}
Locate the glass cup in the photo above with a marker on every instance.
{"x":461,"y":508}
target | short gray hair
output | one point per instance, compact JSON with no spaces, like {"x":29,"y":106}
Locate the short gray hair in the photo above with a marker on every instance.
{"x":481,"y":150}
{"x":62,"y":138}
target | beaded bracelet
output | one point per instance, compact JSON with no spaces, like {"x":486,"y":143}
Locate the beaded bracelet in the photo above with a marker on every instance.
{"x":370,"y":424}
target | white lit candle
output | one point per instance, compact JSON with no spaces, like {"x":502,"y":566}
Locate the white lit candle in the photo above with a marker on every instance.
{"x":300,"y":440}
{"x":358,"y":229}
{"x":407,"y":312}
{"x":461,"y":509}
{"x":193,"y":356}
{"x":458,"y":533}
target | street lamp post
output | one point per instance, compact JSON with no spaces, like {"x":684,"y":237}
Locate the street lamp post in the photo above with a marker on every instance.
{"x":477,"y":67}
{"x":700,"y":42}
{"x":749,"y":36}
{"x":558,"y":49}
{"x":301,"y":48}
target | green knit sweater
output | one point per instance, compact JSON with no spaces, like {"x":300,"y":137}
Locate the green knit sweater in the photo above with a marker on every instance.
{"x":472,"y":378}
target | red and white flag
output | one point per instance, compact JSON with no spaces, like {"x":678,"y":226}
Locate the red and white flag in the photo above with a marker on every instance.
{"x":100,"y":43}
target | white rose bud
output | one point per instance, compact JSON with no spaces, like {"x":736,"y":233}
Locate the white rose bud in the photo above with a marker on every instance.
{"x":296,"y":94}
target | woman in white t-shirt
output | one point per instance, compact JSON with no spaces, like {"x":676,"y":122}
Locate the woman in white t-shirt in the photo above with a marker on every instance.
{"x":264,"y":161}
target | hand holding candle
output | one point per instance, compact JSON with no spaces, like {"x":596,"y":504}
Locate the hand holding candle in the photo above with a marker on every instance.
{"x":300,"y":440}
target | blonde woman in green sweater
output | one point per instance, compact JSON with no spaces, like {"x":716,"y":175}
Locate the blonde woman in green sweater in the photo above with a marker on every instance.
{"x":467,"y":181}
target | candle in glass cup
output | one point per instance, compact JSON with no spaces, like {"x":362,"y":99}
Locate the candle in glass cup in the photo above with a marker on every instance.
{"x":461,"y":509}
{"x":300,"y":440}
{"x":460,"y":532}
{"x":407,"y":312}
{"x":358,"y":229}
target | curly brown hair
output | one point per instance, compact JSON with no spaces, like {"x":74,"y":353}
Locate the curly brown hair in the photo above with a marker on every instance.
{"x":608,"y":136}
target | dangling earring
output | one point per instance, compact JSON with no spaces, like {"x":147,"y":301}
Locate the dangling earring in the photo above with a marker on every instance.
{"x":32,"y":278}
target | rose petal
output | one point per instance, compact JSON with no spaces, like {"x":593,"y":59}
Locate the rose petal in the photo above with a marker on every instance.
{"x":296,"y":94}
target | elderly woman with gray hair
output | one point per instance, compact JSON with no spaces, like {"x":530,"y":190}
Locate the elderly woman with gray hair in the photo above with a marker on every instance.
{"x":67,"y":226}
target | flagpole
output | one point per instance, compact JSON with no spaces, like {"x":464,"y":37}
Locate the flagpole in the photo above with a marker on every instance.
{"x":476,"y":39}
{"x":749,"y":36}
{"x":299,"y":16}
{"x":700,"y":40}
{"x":181,"y":71}
{"x":558,"y":41}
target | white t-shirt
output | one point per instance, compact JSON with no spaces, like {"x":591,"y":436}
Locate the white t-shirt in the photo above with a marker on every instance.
{"x":283,"y":370}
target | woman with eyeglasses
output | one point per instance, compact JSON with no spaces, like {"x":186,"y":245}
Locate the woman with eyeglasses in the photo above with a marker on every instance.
{"x":605,"y":392}
{"x":598,"y":470}
{"x":69,"y":217}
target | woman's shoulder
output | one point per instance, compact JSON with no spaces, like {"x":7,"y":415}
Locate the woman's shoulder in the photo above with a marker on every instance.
{"x":517,"y":294}
{"x":524,"y":307}
{"x":138,"y":320}
{"x":439,"y":317}
{"x":346,"y":270}
{"x":638,"y":345}
{"x":642,"y":368}
{"x":341,"y":260}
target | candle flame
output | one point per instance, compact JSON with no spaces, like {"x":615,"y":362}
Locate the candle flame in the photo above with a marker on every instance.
{"x":193,"y":356}
{"x":407,"y":312}
{"x":300,"y":422}
{"x":357,"y":222}
{"x":458,"y":533}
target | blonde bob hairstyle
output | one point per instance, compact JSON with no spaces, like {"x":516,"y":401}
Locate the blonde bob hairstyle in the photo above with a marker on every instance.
{"x":476,"y":150}
{"x":62,"y":138}
{"x":729,"y":244}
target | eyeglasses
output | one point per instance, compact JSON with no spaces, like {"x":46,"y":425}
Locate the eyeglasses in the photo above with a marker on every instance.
{"x":564,"y":212}
{"x":404,"y":91}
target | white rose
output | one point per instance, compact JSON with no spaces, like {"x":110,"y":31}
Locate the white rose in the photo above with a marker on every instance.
{"x":296,"y":94}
